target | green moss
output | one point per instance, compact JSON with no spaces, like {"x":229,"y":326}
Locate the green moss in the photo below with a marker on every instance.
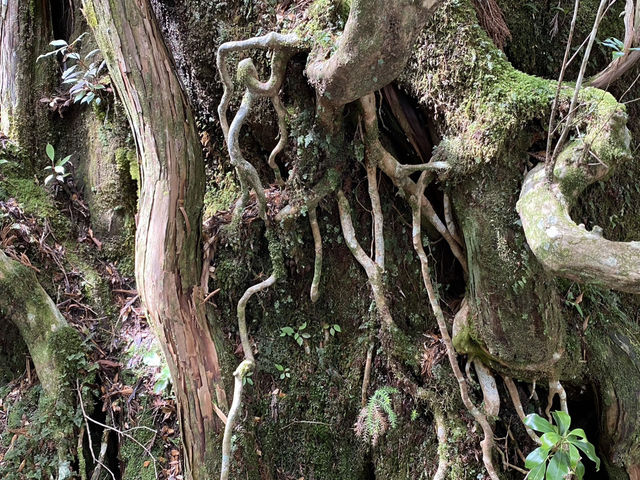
{"x":220,"y":194}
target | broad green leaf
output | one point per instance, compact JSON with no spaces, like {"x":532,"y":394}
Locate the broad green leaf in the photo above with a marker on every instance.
{"x":538,"y":423}
{"x":578,"y":433}
{"x":558,"y":466}
{"x":299,"y":340}
{"x":337,"y":328}
{"x":536,"y":457}
{"x":537,"y":473}
{"x":588,"y":449}
{"x":550,"y":440}
{"x":287,"y":331}
{"x":50,"y":151}
{"x":563,"y":420}
{"x":63,"y":162}
{"x":574,"y":456}
{"x":279,"y":367}
{"x":303,"y":326}
{"x":580,"y":471}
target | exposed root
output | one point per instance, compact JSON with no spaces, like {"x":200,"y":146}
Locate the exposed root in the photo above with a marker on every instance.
{"x":448,"y":218}
{"x":317,"y":266}
{"x":246,"y":366}
{"x":556,"y":388}
{"x":283,"y":46}
{"x":443,"y":457}
{"x":270,"y":41}
{"x":243,"y":369}
{"x":378,"y":219}
{"x":517,"y":404}
{"x":487,"y":442}
{"x":367,"y":375}
{"x":396,"y":171}
{"x":489,"y":389}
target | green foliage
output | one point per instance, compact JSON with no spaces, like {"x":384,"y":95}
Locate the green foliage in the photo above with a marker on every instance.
{"x":333,"y":329}
{"x":298,"y":335}
{"x":377,"y":416}
{"x":559,"y":455}
{"x":617,"y":46}
{"x":57,"y":169}
{"x":85,"y":78}
{"x":285,"y":372}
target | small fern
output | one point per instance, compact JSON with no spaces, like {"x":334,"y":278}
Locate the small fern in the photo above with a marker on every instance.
{"x":377,"y":416}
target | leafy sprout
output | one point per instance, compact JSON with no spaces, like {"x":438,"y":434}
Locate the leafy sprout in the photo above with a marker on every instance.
{"x":298,"y":335}
{"x":57,"y":169}
{"x":559,"y":455}
{"x":83,"y":75}
{"x":617,"y":46}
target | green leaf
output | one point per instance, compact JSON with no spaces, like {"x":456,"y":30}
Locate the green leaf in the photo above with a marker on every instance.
{"x":305,"y":335}
{"x":537,"y":473}
{"x":58,"y":43}
{"x":588,"y":449}
{"x":578,"y":433}
{"x":337,"y":328}
{"x":50,"y":151}
{"x":550,"y":440}
{"x":279,"y":367}
{"x":558,"y":466}
{"x":286,"y":331}
{"x":536,"y":457}
{"x":574,"y":456}
{"x":563,"y":420}
{"x":49,"y":179}
{"x":59,"y":169}
{"x":538,"y":423}
{"x":299,"y":340}
{"x":303,"y":326}
{"x":579,"y":471}
{"x":282,"y":376}
{"x":64,"y":161}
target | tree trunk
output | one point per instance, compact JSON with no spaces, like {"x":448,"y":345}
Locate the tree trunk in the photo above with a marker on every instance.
{"x":168,"y":248}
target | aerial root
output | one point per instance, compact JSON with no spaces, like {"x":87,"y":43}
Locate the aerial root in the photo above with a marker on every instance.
{"x":283,"y":47}
{"x":246,"y":367}
{"x":489,"y":389}
{"x":317,"y":266}
{"x":399,"y":174}
{"x":487,"y":443}
{"x":366,"y":378}
{"x":556,"y":388}
{"x":448,"y":218}
{"x":515,"y":398}
{"x":443,"y":457}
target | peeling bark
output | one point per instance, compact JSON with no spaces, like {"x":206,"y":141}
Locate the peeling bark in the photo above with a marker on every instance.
{"x":168,"y":250}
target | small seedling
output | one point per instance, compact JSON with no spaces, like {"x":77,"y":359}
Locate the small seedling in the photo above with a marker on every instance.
{"x":333,"y":329}
{"x":285,"y":372}
{"x":247,"y":379}
{"x":58,"y":172}
{"x":298,"y":335}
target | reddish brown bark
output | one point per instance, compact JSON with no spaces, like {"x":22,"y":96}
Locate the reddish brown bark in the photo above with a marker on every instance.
{"x":168,"y":249}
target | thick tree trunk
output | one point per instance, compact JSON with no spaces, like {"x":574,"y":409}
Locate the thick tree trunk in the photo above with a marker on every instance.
{"x":25,"y":30}
{"x":168,"y":253}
